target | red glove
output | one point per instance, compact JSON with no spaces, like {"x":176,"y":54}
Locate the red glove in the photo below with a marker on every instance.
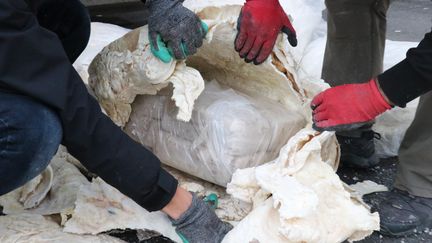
{"x":348,"y":107}
{"x":258,"y":26}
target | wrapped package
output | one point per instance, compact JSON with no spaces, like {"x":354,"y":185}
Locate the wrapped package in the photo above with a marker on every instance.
{"x":228,"y":131}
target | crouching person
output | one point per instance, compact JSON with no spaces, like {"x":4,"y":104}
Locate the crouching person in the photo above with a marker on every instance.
{"x":44,"y":103}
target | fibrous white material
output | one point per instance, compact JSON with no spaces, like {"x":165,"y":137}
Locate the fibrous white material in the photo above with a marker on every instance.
{"x":36,"y":190}
{"x":57,"y":197}
{"x":109,"y":209}
{"x":299,"y":198}
{"x":127,"y":68}
{"x":34,"y":228}
{"x":366,"y":187}
{"x":82,"y":207}
{"x":101,"y":35}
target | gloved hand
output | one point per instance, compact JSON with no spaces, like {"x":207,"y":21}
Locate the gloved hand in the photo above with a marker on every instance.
{"x":166,"y":54}
{"x":176,"y":25}
{"x":258,"y":26}
{"x":348,"y":107}
{"x":200,"y":224}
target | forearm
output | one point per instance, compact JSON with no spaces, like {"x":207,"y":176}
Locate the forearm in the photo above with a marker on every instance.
{"x":107,"y":151}
{"x":410,"y":78}
{"x":179,"y":204}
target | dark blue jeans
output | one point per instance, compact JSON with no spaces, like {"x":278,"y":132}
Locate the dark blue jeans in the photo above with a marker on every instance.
{"x":30,"y":134}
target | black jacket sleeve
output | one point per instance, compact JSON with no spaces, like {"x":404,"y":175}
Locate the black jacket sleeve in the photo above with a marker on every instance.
{"x":410,"y":78}
{"x":33,"y":62}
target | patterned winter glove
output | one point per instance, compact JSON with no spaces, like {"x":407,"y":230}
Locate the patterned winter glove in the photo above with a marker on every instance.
{"x":348,"y":107}
{"x":199,"y":224}
{"x":258,"y":25}
{"x":176,"y":25}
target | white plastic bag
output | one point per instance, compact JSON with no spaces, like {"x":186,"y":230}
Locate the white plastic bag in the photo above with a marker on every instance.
{"x":228,"y":131}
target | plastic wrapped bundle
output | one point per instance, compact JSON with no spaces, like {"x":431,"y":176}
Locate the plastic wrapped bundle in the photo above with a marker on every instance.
{"x":228,"y":131}
{"x":223,"y":134}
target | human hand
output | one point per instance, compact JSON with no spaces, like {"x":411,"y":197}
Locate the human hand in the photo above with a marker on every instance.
{"x":200,"y":224}
{"x":258,"y":26}
{"x":178,"y":26}
{"x":348,"y":107}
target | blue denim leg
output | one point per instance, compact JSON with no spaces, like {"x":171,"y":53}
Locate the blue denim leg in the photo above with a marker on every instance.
{"x":30,"y":134}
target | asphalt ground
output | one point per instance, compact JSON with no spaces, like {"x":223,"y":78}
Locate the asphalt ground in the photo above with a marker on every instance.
{"x":408,"y":20}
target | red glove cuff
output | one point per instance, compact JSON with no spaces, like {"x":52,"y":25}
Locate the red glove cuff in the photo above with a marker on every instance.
{"x":379,"y":96}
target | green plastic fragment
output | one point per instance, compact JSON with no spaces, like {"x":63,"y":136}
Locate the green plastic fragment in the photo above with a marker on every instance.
{"x":163,"y":53}
{"x":212,"y":200}
{"x":182,"y":237}
{"x":205,"y":27}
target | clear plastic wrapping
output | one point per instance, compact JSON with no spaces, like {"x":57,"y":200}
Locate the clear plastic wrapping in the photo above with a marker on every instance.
{"x":228,"y":131}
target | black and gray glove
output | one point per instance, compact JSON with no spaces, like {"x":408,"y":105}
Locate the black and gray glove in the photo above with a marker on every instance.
{"x":176,"y":25}
{"x":200,"y":224}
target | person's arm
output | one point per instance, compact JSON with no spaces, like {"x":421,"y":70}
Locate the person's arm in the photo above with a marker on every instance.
{"x":410,"y":78}
{"x":33,"y":62}
{"x":351,"y":106}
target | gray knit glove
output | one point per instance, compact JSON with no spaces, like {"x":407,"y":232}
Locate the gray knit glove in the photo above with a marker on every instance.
{"x":175,"y":24}
{"x":199,"y":224}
